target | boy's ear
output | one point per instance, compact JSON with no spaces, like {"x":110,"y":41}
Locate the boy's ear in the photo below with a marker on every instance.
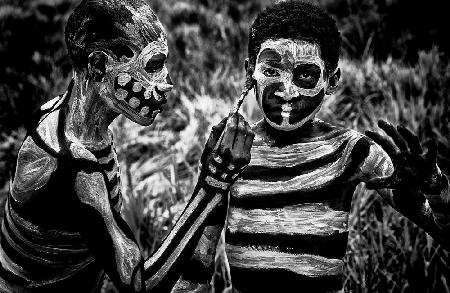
{"x":333,"y":81}
{"x":97,"y":65}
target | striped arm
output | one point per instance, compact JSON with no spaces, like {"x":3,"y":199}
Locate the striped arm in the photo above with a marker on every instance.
{"x":162,"y":269}
{"x":198,"y":272}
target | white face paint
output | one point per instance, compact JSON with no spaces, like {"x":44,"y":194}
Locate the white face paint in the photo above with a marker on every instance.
{"x":137,"y":85}
{"x":290,"y":82}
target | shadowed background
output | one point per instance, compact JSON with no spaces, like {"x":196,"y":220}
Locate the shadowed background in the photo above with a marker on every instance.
{"x":395,"y":66}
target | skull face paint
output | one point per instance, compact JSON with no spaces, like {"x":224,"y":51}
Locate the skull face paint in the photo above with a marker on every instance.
{"x":136,"y":85}
{"x":290,"y":82}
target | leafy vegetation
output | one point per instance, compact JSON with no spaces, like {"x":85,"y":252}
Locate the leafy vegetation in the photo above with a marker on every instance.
{"x":390,"y":70}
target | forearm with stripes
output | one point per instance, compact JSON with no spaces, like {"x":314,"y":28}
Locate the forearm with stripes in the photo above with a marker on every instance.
{"x":163,"y":268}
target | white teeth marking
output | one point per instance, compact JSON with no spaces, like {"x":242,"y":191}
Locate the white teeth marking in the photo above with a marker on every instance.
{"x":144,"y":111}
{"x":137,"y":87}
{"x":156,"y":95}
{"x":123,"y":78}
{"x":285,"y":114}
{"x":121,"y":94}
{"x":279,"y":94}
{"x":148,"y":94}
{"x":134,"y":102}
{"x":286,"y":108}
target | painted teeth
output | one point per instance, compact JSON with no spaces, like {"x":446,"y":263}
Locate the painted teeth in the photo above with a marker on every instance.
{"x":121,"y":94}
{"x":279,"y":94}
{"x":144,"y":111}
{"x":157,"y":96}
{"x":286,"y":108}
{"x":123,"y":78}
{"x":148,"y":94}
{"x":137,"y":87}
{"x":134,"y":102}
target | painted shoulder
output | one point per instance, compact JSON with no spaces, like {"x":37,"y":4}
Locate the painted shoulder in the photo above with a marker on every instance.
{"x":34,"y":169}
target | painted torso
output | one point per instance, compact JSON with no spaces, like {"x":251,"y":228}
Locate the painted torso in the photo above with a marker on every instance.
{"x":288,"y":218}
{"x":40,"y":229}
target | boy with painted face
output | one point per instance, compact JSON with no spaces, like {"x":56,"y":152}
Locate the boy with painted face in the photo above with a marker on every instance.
{"x":287,"y":224}
{"x":62,"y":228}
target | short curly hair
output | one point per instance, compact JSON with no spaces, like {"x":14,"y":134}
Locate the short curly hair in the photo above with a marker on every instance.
{"x":296,"y":20}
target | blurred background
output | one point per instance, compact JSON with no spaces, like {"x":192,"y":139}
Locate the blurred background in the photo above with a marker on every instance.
{"x":395,"y":66}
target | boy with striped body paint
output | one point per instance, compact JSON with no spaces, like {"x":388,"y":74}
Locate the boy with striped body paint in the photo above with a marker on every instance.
{"x":287,"y":225}
{"x":62,"y":228}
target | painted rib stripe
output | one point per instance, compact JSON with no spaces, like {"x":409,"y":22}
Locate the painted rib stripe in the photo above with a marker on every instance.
{"x":333,"y":195}
{"x":27,"y":251}
{"x":303,"y":264}
{"x":281,"y":280}
{"x":305,"y":182}
{"x":53,"y":238}
{"x":63,"y":254}
{"x":105,"y":160}
{"x":332,"y":246}
{"x":112,"y":183}
{"x":286,"y":172}
{"x":109,"y":166}
{"x":292,"y":155}
{"x":310,"y":218}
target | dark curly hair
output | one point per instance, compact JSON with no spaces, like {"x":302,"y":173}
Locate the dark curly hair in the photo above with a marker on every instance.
{"x":296,"y":20}
{"x":108,"y":25}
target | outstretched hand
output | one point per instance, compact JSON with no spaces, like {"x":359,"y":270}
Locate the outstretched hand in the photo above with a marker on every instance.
{"x":226,"y":153}
{"x":413,"y":168}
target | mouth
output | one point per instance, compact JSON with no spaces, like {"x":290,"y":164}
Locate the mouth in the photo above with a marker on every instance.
{"x":145,"y":102}
{"x":295,"y":110}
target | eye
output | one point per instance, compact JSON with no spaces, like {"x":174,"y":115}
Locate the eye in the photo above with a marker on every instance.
{"x":305,"y":76}
{"x":155,"y":63}
{"x":270,"y":72}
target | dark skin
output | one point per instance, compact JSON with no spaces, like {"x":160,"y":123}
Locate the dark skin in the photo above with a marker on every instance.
{"x":414,"y":168}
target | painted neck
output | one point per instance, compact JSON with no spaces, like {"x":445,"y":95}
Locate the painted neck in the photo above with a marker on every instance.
{"x":88,"y":116}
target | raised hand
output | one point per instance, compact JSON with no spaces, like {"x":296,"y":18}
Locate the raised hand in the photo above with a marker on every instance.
{"x":226,"y":153}
{"x":413,"y":169}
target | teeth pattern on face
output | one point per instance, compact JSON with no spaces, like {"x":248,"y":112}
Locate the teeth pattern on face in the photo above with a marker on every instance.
{"x":121,"y":94}
{"x":137,"y":87}
{"x":286,"y":108}
{"x":134,"y":102}
{"x":156,"y":95}
{"x":145,"y":110}
{"x":123,"y":78}
{"x":148,"y":94}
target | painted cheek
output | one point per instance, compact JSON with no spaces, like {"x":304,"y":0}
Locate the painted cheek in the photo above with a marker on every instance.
{"x":271,"y":105}
{"x":304,"y":106}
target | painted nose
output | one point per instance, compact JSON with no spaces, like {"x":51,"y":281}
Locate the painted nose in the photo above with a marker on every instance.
{"x":287,"y":91}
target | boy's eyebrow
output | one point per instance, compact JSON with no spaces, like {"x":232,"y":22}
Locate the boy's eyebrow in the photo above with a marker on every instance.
{"x":269,"y":55}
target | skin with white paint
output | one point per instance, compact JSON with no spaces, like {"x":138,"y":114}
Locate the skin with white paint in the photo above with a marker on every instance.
{"x":293,"y":53}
